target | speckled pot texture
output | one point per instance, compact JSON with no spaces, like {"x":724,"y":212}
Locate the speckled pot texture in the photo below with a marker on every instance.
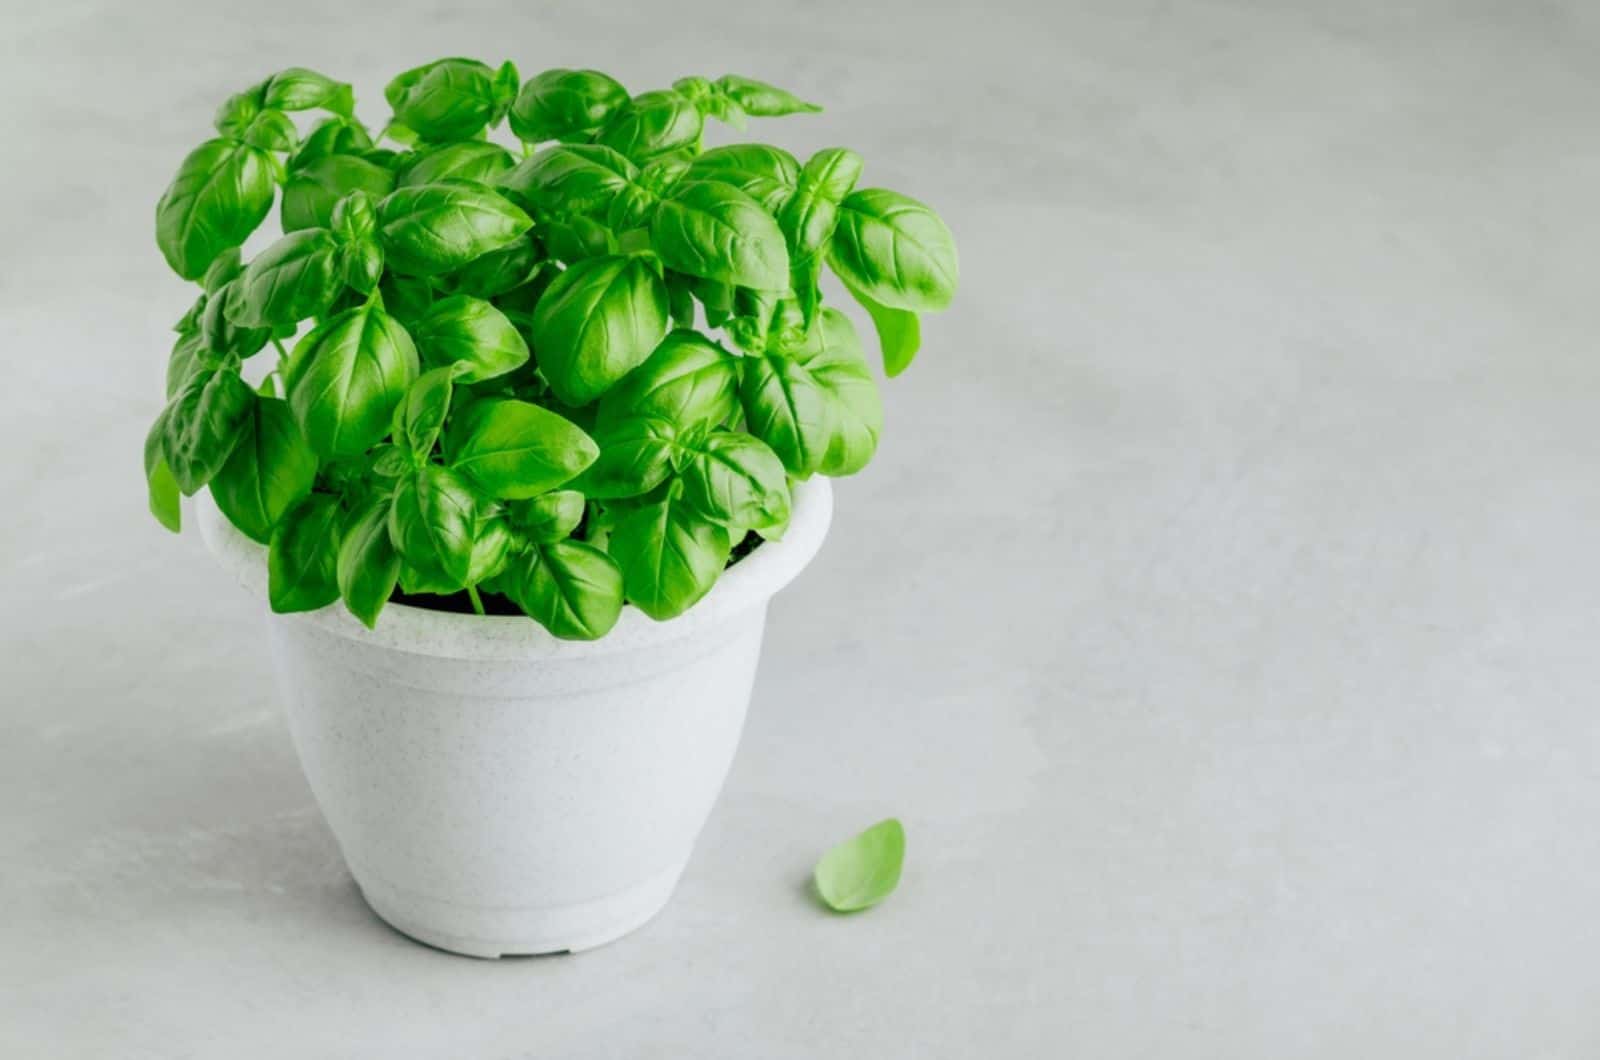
{"x":497,"y":791}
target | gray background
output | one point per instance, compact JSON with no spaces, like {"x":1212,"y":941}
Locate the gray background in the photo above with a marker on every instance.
{"x":1219,"y":613}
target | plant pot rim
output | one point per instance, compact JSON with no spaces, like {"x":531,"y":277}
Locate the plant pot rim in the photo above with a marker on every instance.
{"x":447,"y":634}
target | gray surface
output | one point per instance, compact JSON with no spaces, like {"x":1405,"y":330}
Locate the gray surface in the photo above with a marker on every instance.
{"x":1219,"y":613}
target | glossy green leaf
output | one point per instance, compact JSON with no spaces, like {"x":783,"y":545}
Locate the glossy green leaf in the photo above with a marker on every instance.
{"x":367,"y":565}
{"x":570,"y":178}
{"x":331,"y":136}
{"x":497,"y":272}
{"x":471,"y":160}
{"x":715,"y":231}
{"x":298,"y":88}
{"x":302,"y":560}
{"x":769,"y":175}
{"x":164,"y":495}
{"x":270,"y":130}
{"x":738,"y":481}
{"x":515,"y":449}
{"x":548,"y":517}
{"x":450,"y":99}
{"x":598,"y":321}
{"x":293,"y":279}
{"x":221,"y":193}
{"x":809,"y":217}
{"x":818,"y":408}
{"x":565,"y":105}
{"x":862,"y":871}
{"x":895,"y":250}
{"x":432,"y":523}
{"x":670,"y":556}
{"x":899,"y":332}
{"x":312,"y":192}
{"x":346,"y":377}
{"x":688,"y":380}
{"x":269,"y":471}
{"x":471,"y":335}
{"x":652,"y":125}
{"x":189,"y":355}
{"x":761,"y":100}
{"x":420,"y":417}
{"x":218,"y":331}
{"x":435,"y":228}
{"x":203,"y":422}
{"x":572,"y":589}
{"x":635,"y":457}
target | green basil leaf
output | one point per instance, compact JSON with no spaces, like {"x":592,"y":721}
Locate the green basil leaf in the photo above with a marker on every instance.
{"x":715,"y":231}
{"x":236,"y":113}
{"x":811,"y":214}
{"x":818,"y":407}
{"x":222,"y":191}
{"x":572,"y":589}
{"x":420,"y":417}
{"x":450,"y":99}
{"x":406,"y":298}
{"x":361,"y":265}
{"x":313,"y":191}
{"x":295,"y":278}
{"x":761,"y":99}
{"x":164,"y":496}
{"x":565,"y":105}
{"x":548,"y":517}
{"x":218,"y":331}
{"x":367,"y":565}
{"x":354,"y":219}
{"x":331,"y":136}
{"x":435,"y":228}
{"x":346,"y":377}
{"x":577,"y":238}
{"x":863,"y":871}
{"x":433,"y":522}
{"x":769,"y":175}
{"x":738,"y":481}
{"x":473,"y":160}
{"x":204,"y":421}
{"x":570,"y":178}
{"x":471,"y":335}
{"x":226,"y":267}
{"x":899,"y":332}
{"x":652,"y":125}
{"x":491,"y":547}
{"x":497,"y":272}
{"x":302,"y":560}
{"x":635,"y":457}
{"x":895,"y":250}
{"x":189,"y":355}
{"x":670,"y":556}
{"x":300,"y":89}
{"x":269,"y":471}
{"x":515,"y":449}
{"x":688,"y":380}
{"x":598,"y":321}
{"x":271,"y":130}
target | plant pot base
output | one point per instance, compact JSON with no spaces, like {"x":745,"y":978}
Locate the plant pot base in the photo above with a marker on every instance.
{"x":492,"y":932}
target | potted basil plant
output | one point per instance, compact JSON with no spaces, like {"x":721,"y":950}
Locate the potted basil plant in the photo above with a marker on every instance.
{"x":518,"y":444}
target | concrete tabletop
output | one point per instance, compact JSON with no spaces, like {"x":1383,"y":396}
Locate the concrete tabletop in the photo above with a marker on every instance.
{"x":1219,"y":613}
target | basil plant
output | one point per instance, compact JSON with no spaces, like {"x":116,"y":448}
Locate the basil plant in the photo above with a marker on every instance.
{"x":571,"y":376}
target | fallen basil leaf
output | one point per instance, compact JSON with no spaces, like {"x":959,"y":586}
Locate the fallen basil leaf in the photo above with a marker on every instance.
{"x":863,"y":871}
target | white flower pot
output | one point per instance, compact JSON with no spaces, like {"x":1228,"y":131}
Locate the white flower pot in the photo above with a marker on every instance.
{"x":498,"y":791}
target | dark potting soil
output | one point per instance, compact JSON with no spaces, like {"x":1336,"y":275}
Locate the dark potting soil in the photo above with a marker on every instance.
{"x":496,"y":604}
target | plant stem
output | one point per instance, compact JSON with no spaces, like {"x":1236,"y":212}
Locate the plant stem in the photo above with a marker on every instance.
{"x":477,"y":601}
{"x":283,"y":354}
